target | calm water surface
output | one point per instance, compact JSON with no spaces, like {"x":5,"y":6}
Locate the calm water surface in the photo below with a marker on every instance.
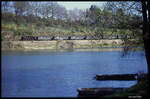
{"x":59,"y":74}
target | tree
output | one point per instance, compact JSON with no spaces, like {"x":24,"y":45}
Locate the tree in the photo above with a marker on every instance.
{"x":94,"y":15}
{"x":60,"y":13}
{"x":146,"y":32}
{"x":73,"y":15}
{"x":133,"y":12}
{"x":6,"y":6}
{"x":20,"y":10}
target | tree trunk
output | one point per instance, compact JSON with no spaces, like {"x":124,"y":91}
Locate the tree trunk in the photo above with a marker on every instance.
{"x":146,"y":37}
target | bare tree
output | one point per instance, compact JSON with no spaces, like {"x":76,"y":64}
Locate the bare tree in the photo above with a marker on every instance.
{"x":5,"y":6}
{"x":73,"y":15}
{"x":61,"y":13}
{"x":20,"y":9}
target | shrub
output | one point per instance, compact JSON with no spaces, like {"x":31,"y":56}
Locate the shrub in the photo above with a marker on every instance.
{"x":20,"y":32}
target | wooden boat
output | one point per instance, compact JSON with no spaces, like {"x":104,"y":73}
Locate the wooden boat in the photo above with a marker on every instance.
{"x":95,"y":92}
{"x":117,"y":77}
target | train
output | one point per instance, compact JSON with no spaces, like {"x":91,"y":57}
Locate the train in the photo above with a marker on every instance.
{"x":48,"y":38}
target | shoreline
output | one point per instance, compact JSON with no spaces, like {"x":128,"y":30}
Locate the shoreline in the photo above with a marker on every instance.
{"x":96,"y":45}
{"x":102,"y":49}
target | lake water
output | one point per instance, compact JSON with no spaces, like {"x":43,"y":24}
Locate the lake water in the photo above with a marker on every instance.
{"x":59,"y":74}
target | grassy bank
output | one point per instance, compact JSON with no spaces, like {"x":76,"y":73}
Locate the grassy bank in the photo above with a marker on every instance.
{"x":13,"y":32}
{"x":139,"y":90}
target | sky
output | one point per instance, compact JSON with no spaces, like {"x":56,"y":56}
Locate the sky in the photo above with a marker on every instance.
{"x":79,"y":5}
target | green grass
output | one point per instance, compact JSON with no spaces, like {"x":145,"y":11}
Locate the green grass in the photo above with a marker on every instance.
{"x":140,"y":89}
{"x":34,"y":30}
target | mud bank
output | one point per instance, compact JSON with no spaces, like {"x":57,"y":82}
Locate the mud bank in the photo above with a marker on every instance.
{"x":59,"y":44}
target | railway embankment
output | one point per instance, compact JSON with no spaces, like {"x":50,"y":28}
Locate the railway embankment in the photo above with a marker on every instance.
{"x":59,"y":44}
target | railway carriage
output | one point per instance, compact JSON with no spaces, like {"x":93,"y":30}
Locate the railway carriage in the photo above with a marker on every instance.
{"x":78,"y":37}
{"x":29,"y":38}
{"x":45,"y":38}
{"x":48,"y":38}
{"x":61,"y":38}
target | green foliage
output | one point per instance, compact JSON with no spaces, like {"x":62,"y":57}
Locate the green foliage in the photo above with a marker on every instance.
{"x":99,"y":32}
{"x":95,"y":21}
{"x":82,"y":29}
{"x":2,"y":38}
{"x":73,"y":30}
{"x":20,"y":32}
